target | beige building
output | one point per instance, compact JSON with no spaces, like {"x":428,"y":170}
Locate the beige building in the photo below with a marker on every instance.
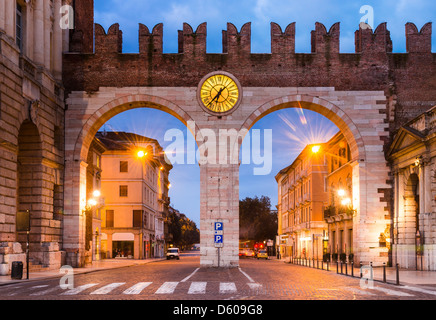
{"x":339,"y":210}
{"x":413,"y":161}
{"x":300,"y":205}
{"x":134,"y":184}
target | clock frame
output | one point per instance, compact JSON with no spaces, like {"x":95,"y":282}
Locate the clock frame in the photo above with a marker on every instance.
{"x":219,"y":93}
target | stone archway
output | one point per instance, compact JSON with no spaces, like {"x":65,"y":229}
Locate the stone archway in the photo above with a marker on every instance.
{"x":367,"y":187}
{"x":86,"y":124}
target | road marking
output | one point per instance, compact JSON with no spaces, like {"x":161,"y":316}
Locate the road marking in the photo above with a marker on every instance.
{"x":137,"y":288}
{"x":392,"y":292}
{"x":78,"y":289}
{"x":254,"y":286}
{"x":361,"y":292}
{"x":197,"y":288}
{"x":167,"y":288}
{"x":245,"y":274}
{"x":44,"y":292}
{"x":420,"y":290}
{"x":108,"y":288}
{"x":187,"y":278}
{"x":39,"y":287}
{"x":227,"y":287}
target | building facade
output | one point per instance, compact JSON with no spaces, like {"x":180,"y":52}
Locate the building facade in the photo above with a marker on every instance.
{"x":134,"y":184}
{"x":413,"y":161}
{"x":32,"y":111}
{"x":339,"y":210}
{"x":300,"y":206}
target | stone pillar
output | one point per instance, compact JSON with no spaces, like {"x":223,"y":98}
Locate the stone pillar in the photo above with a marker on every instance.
{"x":57,"y":41}
{"x":10,"y":18}
{"x":47,"y":35}
{"x":38,"y":32}
{"x":219,"y":197}
{"x":2,"y":14}
{"x":74,"y":219}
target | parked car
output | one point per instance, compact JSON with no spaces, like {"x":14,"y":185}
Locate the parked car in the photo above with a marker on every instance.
{"x":173,"y":253}
{"x":249,"y":253}
{"x":262,"y":254}
{"x":242,"y":252}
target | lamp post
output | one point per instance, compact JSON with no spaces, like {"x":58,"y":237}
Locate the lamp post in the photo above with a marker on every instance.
{"x":141,"y":154}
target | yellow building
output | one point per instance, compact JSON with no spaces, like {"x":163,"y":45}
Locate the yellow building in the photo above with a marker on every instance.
{"x":300,"y":204}
{"x":135,"y":187}
{"x":338,"y":212}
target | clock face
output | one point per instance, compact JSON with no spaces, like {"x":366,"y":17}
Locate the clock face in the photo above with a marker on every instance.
{"x":219,"y":93}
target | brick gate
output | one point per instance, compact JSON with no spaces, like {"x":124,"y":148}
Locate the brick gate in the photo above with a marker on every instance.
{"x":367,"y":95}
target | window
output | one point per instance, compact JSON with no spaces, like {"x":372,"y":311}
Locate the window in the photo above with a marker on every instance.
{"x":137,"y":218}
{"x":123,"y":191}
{"x":109,"y":218}
{"x":124,"y":166}
{"x":19,"y":27}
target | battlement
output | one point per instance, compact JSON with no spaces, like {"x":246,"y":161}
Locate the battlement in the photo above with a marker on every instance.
{"x":238,"y":43}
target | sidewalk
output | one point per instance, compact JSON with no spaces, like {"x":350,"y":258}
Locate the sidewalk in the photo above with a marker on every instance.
{"x":405,"y":277}
{"x":96,"y":266}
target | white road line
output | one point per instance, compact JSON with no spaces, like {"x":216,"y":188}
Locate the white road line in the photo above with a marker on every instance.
{"x":187,"y":278}
{"x":39,"y":287}
{"x":137,"y":288}
{"x":108,"y":288}
{"x":254,"y":286}
{"x":227,"y":287}
{"x":167,"y":288}
{"x":44,"y":292}
{"x":245,"y":274}
{"x":392,"y":292}
{"x":420,"y":290}
{"x":78,"y":289}
{"x":361,"y":292}
{"x":197,"y":288}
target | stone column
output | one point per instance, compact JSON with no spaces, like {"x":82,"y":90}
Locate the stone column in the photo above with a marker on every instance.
{"x":74,"y":219}
{"x":57,"y":41}
{"x":2,"y":14}
{"x":10,"y":18}
{"x":38,"y":32}
{"x":47,"y":35}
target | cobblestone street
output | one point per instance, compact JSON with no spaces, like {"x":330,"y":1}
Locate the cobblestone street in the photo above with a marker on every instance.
{"x":184,"y":280}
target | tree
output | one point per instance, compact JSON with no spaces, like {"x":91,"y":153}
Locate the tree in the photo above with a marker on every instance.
{"x":184,"y":231}
{"x":256,"y":221}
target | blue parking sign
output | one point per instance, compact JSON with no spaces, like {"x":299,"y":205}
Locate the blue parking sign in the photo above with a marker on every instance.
{"x":218,"y":238}
{"x":219,"y":226}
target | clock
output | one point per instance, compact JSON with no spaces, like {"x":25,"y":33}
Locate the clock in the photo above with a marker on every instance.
{"x":219,"y":93}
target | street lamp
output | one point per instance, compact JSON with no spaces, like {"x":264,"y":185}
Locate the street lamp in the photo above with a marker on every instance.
{"x":315,"y":149}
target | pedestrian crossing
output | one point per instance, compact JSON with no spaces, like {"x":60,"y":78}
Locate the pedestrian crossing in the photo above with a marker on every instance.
{"x":196,"y":288}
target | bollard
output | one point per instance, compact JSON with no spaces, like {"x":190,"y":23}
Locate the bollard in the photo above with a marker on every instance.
{"x":398,"y":274}
{"x":384,"y":272}
{"x":352,"y":269}
{"x":361,"y":270}
{"x":346,"y":269}
{"x":337,"y":266}
{"x":328,"y":265}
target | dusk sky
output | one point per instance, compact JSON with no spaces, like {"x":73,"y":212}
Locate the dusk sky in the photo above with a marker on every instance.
{"x":292,"y":130}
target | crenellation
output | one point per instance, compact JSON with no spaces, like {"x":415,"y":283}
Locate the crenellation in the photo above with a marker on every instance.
{"x":193,"y":43}
{"x":110,"y":42}
{"x":323,"y":41}
{"x":151,"y":43}
{"x":369,"y":42}
{"x":282,"y":42}
{"x":418,"y":41}
{"x":237,"y":43}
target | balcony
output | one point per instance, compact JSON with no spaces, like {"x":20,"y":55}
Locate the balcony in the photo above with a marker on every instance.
{"x":338,"y":213}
